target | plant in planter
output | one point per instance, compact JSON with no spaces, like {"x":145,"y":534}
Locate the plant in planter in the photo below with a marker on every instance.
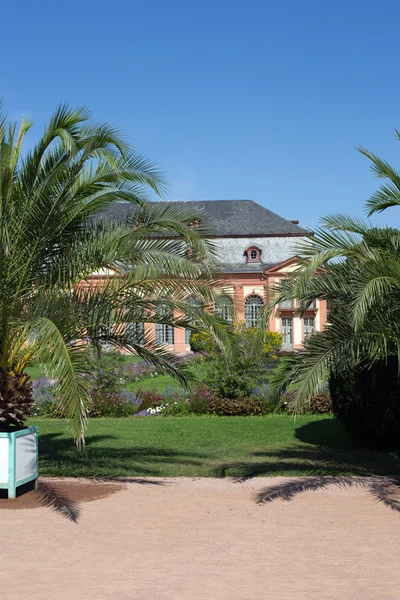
{"x":53,"y":236}
{"x":18,"y":445}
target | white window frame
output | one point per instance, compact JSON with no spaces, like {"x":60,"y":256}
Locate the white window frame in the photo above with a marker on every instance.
{"x":165,"y":334}
{"x":224,"y":308}
{"x":253,"y":306}
{"x":307,"y":330}
{"x":198,"y":303}
{"x":284,"y":326}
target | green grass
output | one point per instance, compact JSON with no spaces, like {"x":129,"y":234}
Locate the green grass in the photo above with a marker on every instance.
{"x":36,"y":371}
{"x":158,"y":384}
{"x":161,"y":382}
{"x":209,"y":447}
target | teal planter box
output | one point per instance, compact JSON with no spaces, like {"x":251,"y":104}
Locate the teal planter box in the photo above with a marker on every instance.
{"x":18,"y":459}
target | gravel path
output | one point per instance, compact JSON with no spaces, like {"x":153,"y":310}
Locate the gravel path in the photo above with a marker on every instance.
{"x":204,"y":539}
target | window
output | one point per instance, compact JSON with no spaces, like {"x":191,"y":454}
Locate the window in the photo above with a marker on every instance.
{"x":252,"y":310}
{"x":253,"y":254}
{"x":224,"y":308}
{"x":196,"y":303}
{"x":309,"y":327}
{"x":164,"y":332}
{"x":312,"y":305}
{"x":135,"y":331}
{"x":287,"y":332}
{"x":286,"y":304}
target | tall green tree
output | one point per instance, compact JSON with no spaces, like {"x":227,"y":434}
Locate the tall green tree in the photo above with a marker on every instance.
{"x":356,"y":268}
{"x":54,"y":234}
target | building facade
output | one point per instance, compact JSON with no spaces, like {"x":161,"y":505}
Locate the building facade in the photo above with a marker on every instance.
{"x":255,"y":249}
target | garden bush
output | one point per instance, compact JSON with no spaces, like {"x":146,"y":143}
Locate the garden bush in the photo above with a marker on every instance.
{"x":203,"y":342}
{"x":109,"y":374}
{"x":103,"y":403}
{"x":177,"y":408}
{"x":248,"y":368}
{"x":235,"y":407}
{"x":150,"y":399}
{"x":268,"y":397}
{"x":111,"y":405}
{"x":320,"y":404}
{"x":367,"y":402}
{"x":44,"y":392}
{"x":200,"y":400}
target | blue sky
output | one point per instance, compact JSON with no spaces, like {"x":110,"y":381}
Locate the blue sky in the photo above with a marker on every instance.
{"x":258,"y":99}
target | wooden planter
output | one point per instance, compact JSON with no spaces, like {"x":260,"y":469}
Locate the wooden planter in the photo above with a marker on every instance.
{"x":18,"y":459}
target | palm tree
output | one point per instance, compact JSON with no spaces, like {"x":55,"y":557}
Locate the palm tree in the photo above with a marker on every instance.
{"x":356,"y":268}
{"x":53,"y":236}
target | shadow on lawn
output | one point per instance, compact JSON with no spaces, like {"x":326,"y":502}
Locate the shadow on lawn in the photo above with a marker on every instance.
{"x":325,"y":449}
{"x":58,"y":457}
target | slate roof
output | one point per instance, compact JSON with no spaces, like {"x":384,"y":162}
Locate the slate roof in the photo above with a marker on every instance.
{"x":226,"y":217}
{"x":245,"y":267}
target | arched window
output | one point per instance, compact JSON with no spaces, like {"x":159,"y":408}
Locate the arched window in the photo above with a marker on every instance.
{"x":195,"y":303}
{"x":224,"y":308}
{"x":164,"y":332}
{"x":252,"y":310}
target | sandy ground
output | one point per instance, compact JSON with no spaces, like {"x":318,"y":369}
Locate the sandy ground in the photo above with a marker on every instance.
{"x":184,"y":539}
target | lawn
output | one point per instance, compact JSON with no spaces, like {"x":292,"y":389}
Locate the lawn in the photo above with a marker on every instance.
{"x":158,"y":384}
{"x":208,"y":447}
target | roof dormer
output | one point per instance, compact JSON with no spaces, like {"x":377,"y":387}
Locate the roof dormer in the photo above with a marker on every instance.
{"x":253,"y":254}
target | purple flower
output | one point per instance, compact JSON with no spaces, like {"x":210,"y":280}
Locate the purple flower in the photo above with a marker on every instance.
{"x":130,"y":398}
{"x":143,"y":413}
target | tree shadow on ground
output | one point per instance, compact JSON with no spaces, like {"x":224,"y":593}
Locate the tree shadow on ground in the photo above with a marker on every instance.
{"x":98,"y":460}
{"x":328,"y":433}
{"x":324,"y":449}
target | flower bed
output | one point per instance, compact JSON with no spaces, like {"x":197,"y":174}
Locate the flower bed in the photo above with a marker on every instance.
{"x":110,"y":399}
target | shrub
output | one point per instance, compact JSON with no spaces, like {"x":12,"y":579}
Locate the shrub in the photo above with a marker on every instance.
{"x":109,"y":374}
{"x":150,"y":399}
{"x":248,"y":368}
{"x":200,"y":400}
{"x":176,"y":408}
{"x":44,"y":393}
{"x":320,"y":404}
{"x":282,"y":407}
{"x":173,"y":394}
{"x":230,"y":407}
{"x":203,"y":342}
{"x":267,"y":396}
{"x":111,"y":405}
{"x":367,"y":403}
